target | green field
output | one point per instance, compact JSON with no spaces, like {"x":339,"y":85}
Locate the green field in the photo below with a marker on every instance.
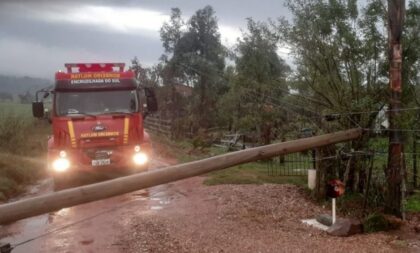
{"x":22,"y":148}
{"x":16,"y":109}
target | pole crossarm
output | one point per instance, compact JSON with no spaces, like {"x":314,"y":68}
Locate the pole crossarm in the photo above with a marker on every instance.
{"x":21,"y":209}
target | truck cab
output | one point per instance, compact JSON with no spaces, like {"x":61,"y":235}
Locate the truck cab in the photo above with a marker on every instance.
{"x":97,"y":121}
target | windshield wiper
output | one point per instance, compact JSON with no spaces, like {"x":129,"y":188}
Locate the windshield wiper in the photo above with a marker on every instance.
{"x":119,"y":112}
{"x":81,"y":114}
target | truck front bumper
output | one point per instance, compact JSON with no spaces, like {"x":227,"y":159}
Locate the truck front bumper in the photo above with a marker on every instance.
{"x":104,"y":160}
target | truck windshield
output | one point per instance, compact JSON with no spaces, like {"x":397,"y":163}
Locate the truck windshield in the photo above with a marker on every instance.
{"x":96,"y":102}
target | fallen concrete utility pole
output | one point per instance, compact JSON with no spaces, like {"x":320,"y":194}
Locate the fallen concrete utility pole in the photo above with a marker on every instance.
{"x":14,"y":211}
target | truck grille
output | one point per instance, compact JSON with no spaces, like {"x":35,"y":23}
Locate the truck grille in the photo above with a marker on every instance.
{"x":98,"y":154}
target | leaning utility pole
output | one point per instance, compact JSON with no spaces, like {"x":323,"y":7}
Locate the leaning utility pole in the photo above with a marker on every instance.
{"x":394,"y":173}
{"x":25,"y":208}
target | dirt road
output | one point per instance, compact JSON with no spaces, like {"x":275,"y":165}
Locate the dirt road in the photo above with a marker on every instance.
{"x":246,"y":218}
{"x":187,"y":216}
{"x":91,"y":227}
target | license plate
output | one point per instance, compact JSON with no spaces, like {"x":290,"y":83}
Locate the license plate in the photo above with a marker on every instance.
{"x":101,"y":162}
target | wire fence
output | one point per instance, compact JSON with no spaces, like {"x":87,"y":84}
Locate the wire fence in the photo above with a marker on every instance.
{"x":298,"y":164}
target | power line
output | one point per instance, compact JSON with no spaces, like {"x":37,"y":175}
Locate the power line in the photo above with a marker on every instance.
{"x":315,"y":115}
{"x":281,"y":101}
{"x":78,"y":222}
{"x":298,"y":112}
{"x":220,"y":74}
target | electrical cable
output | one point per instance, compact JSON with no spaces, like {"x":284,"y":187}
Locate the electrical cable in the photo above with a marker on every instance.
{"x":78,"y":222}
{"x":309,"y":98}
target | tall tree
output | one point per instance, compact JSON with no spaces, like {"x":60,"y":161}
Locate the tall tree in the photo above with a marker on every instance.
{"x":171,"y":31}
{"x":259,"y":74}
{"x":339,"y":55}
{"x":170,"y":35}
{"x":147,"y":76}
{"x":201,"y":58}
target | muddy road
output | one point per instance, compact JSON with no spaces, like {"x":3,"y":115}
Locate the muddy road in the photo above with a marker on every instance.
{"x":91,"y":227}
{"x":188,"y":216}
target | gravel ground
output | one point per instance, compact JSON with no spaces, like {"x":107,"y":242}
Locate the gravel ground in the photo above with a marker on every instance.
{"x":245,"y":218}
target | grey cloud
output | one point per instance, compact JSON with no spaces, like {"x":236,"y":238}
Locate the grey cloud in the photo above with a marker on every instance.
{"x":73,"y":36}
{"x":22,"y":30}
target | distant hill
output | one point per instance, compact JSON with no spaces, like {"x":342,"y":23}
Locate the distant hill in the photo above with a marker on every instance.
{"x":21,"y":85}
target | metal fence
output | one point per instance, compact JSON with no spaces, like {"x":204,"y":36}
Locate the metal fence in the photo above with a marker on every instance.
{"x":158,"y":125}
{"x":296,"y":164}
{"x":411,"y":163}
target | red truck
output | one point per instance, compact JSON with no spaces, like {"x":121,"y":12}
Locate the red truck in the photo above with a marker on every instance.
{"x":97,"y":121}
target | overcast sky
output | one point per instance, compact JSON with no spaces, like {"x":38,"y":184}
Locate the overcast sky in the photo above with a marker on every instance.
{"x":38,"y":36}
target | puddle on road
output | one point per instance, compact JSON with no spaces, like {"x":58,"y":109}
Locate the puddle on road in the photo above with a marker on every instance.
{"x":28,"y":228}
{"x":101,"y":227}
{"x":32,"y":227}
{"x":62,"y":212}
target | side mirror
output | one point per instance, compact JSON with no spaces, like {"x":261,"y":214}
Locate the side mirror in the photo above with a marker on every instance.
{"x":38,"y":109}
{"x":151,"y":101}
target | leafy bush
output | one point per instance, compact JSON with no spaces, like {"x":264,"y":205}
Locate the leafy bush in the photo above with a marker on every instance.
{"x":376,"y":222}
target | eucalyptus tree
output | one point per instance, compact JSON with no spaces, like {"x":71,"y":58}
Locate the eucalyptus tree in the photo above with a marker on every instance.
{"x":199,"y":59}
{"x":259,"y":72}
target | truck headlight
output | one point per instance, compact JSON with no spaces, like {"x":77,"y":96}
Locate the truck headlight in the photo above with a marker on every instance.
{"x":140,"y":158}
{"x":61,"y":164}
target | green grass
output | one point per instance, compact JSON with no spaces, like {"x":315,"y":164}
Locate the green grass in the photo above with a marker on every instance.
{"x":16,"y":108}
{"x":23,"y":147}
{"x":251,"y":173}
{"x":20,"y":133}
{"x":16,"y":172}
{"x":413,"y":203}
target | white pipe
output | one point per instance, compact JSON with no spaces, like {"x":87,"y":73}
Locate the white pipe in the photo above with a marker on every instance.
{"x":333,"y":211}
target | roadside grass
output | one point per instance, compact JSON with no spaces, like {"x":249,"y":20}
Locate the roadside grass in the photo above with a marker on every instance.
{"x":23,"y":144}
{"x":249,"y":173}
{"x":20,"y":133}
{"x":16,"y":172}
{"x":413,"y":203}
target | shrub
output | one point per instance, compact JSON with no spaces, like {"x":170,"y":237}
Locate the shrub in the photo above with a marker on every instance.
{"x":376,"y":222}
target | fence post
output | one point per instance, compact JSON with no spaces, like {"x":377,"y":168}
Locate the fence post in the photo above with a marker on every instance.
{"x":324,"y":170}
{"x":415,"y":161}
{"x":314,"y":159}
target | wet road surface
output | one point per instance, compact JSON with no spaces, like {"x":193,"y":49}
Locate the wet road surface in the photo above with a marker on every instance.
{"x":91,"y":227}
